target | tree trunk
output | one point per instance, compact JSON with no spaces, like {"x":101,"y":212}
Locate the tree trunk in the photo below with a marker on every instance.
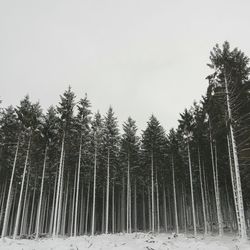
{"x":32,"y":208}
{"x":87,"y":210}
{"x":3,"y":191}
{"x":77,"y":186}
{"x":94,"y":193}
{"x":192,"y":191}
{"x":165,"y":208}
{"x":113,"y":208}
{"x":7,"y":208}
{"x":240,"y":206}
{"x":73,"y":206}
{"x":128,"y":198}
{"x":59,"y":215}
{"x":123,"y":205}
{"x":218,"y":203}
{"x":25,"y":204}
{"x":175,"y":203}
{"x":103,"y":210}
{"x":157,"y":204}
{"x":53,"y":206}
{"x":21,"y":191}
{"x":107,"y":199}
{"x":184,"y":208}
{"x":149,"y":209}
{"x":143,"y":210}
{"x":202,"y":193}
{"x":152,"y":193}
{"x":41,"y":194}
{"x":135,"y":208}
{"x":58,"y":188}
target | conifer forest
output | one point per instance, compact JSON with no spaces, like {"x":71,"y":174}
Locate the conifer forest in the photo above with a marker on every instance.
{"x":68,"y":171}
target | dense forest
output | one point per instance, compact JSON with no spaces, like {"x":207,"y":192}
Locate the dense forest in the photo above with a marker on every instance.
{"x":70,"y":172}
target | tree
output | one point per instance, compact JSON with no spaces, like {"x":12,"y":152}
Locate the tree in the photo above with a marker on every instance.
{"x":65,"y":110}
{"x":83,"y":126}
{"x":231,"y":74}
{"x":29,"y":114}
{"x":186,"y":125}
{"x":153,"y":140}
{"x":48,"y":134}
{"x":129,"y":154}
{"x":10,"y":138}
{"x":111,"y":149}
{"x":97,"y":141}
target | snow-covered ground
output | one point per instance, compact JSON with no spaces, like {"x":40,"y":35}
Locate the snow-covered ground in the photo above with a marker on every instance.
{"x":135,"y":241}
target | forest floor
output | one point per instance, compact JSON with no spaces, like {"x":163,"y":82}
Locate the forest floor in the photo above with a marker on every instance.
{"x":134,"y":241}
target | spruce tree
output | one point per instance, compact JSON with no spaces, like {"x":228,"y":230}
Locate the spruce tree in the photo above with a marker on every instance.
{"x":65,"y":111}
{"x":153,"y":140}
{"x":111,"y":150}
{"x":130,"y":160}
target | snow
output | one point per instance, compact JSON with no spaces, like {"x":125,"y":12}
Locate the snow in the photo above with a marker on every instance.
{"x":134,"y":241}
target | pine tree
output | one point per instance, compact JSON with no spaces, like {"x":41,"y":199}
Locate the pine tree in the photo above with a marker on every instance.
{"x":231,"y":73}
{"x":97,"y":141}
{"x":186,"y":125}
{"x":10,"y":141}
{"x":129,"y":155}
{"x":48,"y":133}
{"x":111,"y":150}
{"x":65,"y":110}
{"x":83,"y":126}
{"x":153,"y":140}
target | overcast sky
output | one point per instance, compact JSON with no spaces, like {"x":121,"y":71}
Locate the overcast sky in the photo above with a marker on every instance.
{"x":141,"y":57}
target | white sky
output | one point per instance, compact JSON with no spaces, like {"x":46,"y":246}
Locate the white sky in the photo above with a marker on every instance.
{"x":140,"y":56}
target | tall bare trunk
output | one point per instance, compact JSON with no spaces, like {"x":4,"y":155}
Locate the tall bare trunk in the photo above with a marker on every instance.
{"x":165,"y":208}
{"x":77,"y":185}
{"x":41,"y":194}
{"x":237,"y":179}
{"x":128,"y":198}
{"x":55,"y":224}
{"x":25,"y":205}
{"x":94,"y":194}
{"x":32,"y":208}
{"x":103,"y":210}
{"x":149,"y":209}
{"x":157,"y":204}
{"x":3,"y":191}
{"x":152,"y":193}
{"x":73,"y":206}
{"x":59,"y":215}
{"x":184,"y":208}
{"x":135,"y":208}
{"x":175,"y":202}
{"x":7,"y":208}
{"x":192,"y":191}
{"x":113,"y":208}
{"x":21,"y":191}
{"x":202,"y":193}
{"x":87,"y":210}
{"x":218,"y":203}
{"x":143,"y":210}
{"x":53,"y":206}
{"x":123,"y":205}
{"x":107,"y":198}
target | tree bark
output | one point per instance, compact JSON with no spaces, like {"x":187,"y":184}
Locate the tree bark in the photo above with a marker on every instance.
{"x":192,"y":191}
{"x":7,"y":208}
{"x":175,"y":202}
{"x":94,"y":194}
{"x":107,"y":198}
{"x":41,"y":194}
{"x":21,"y":191}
